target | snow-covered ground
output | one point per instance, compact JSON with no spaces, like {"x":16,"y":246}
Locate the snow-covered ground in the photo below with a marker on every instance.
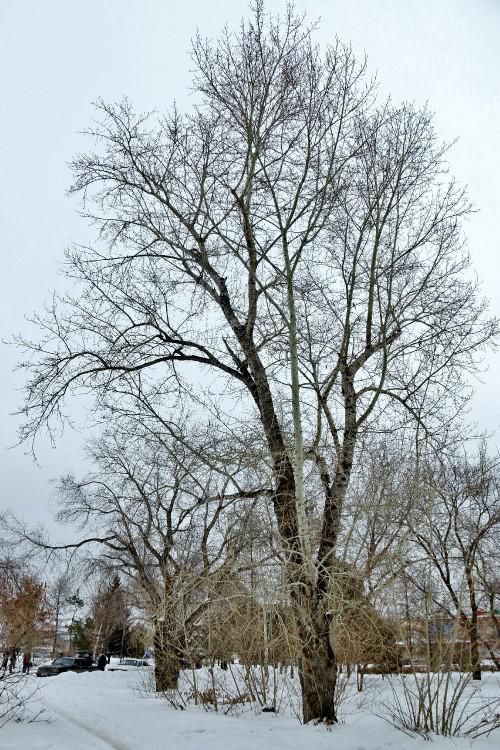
{"x":113,"y":711}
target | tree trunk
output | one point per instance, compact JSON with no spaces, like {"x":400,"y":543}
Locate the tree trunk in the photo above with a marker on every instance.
{"x":318,"y":676}
{"x":167,"y":665}
{"x":317,"y":662}
{"x":493,"y":656}
{"x":360,"y":678}
{"x":475,"y":661}
{"x":474,"y":648}
{"x":298,"y":459}
{"x":56,"y":625}
{"x":493,"y":616}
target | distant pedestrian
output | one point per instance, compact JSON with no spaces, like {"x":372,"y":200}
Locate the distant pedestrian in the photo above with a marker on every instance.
{"x":5,"y":660}
{"x":26,"y":663}
{"x":12,"y":662}
{"x":101,"y":662}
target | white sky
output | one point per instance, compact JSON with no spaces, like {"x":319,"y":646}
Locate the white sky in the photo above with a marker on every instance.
{"x":57,"y":56}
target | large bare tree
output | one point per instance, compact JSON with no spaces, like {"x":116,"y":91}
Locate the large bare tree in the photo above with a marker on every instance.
{"x":289,"y":252}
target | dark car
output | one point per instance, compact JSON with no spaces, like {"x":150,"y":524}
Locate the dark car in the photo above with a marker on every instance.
{"x":66,"y":664}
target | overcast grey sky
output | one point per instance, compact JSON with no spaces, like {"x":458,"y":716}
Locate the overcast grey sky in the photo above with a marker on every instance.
{"x":57,"y":56}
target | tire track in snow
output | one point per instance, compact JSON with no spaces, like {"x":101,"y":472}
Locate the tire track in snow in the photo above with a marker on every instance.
{"x":100,"y":734}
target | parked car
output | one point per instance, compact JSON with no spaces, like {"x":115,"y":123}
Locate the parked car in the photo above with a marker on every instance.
{"x":66,"y":664}
{"x":125,"y":664}
{"x":85,"y":655}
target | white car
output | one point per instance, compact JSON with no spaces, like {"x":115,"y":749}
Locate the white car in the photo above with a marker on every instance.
{"x":125,"y":664}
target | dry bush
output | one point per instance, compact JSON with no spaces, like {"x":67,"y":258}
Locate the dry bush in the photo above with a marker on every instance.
{"x":254,"y":640}
{"x":359,"y":634}
{"x":17,"y":699}
{"x":206,"y":697}
{"x":236,"y":623}
{"x":440,"y":703}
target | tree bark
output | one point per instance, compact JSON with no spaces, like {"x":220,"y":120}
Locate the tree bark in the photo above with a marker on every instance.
{"x":317,"y":662}
{"x":473,"y":631}
{"x":56,"y":626}
{"x":167,"y":663}
{"x":318,"y":677}
{"x":474,"y":647}
{"x":493,"y":657}
{"x":298,"y":459}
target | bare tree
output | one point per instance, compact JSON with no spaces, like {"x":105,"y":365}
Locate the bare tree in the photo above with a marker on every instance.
{"x":60,"y":594}
{"x":487,"y":567}
{"x":460,"y":517}
{"x":290,"y":248}
{"x":374,"y":530}
{"x":161,"y":516}
{"x":109,"y":613}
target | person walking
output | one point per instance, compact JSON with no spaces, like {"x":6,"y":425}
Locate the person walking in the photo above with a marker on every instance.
{"x":5,"y":660}
{"x":101,"y":662}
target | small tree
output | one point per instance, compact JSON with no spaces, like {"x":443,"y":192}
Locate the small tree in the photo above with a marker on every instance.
{"x":75,"y":602}
{"x":24,"y":610}
{"x":82,"y":634}
{"x":110,"y":615}
{"x":59,"y":595}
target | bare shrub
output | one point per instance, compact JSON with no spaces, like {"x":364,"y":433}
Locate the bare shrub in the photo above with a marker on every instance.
{"x":440,"y":703}
{"x":205,"y":697}
{"x":16,"y":699}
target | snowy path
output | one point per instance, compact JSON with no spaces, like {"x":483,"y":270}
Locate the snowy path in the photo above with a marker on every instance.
{"x":91,"y":730}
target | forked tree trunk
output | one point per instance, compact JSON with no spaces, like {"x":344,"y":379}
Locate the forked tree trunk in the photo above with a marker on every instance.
{"x":317,"y":663}
{"x":167,"y":663}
